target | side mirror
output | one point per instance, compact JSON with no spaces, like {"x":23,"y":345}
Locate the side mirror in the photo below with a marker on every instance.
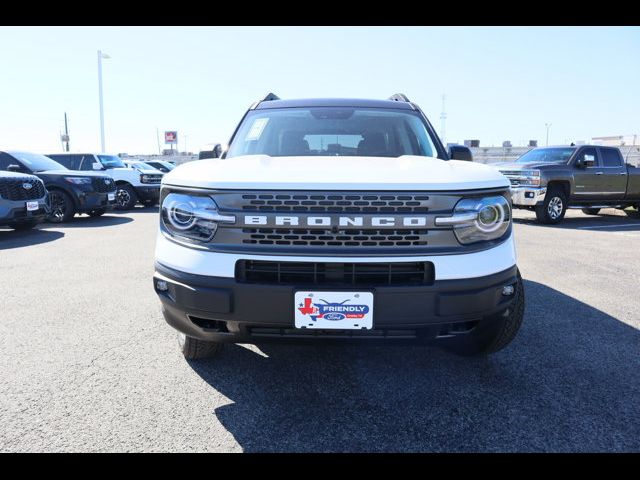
{"x":458,"y":152}
{"x":586,"y":161}
{"x":14,"y":168}
{"x":215,"y":153}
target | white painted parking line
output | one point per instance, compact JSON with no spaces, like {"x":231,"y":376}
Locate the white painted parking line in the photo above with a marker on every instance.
{"x":611,"y":226}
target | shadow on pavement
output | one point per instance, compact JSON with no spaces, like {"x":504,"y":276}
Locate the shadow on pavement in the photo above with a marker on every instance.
{"x":570,"y":381}
{"x":606,"y":222}
{"x":137,"y":209}
{"x":16,"y":239}
{"x":85,"y":221}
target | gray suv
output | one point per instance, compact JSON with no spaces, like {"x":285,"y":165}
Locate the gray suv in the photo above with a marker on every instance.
{"x":24,"y":201}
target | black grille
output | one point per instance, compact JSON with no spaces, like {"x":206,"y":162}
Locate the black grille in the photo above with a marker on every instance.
{"x":339,"y":274}
{"x":100,"y":186}
{"x":327,"y":202}
{"x":13,"y":189}
{"x":341,"y":238}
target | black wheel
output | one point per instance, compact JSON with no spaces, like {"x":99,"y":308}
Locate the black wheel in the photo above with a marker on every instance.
{"x":98,"y":212}
{"x":496,"y":334}
{"x":590,"y":211}
{"x":193,"y":349}
{"x":553,"y":207}
{"x":62,"y":208}
{"x":28,"y":225}
{"x":126,"y":197}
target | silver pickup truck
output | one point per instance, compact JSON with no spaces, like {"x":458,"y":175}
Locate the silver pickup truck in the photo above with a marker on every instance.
{"x":548,"y":180}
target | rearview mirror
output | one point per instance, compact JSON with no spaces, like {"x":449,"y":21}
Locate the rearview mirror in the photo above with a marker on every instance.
{"x":459,"y":152}
{"x":13,"y":168}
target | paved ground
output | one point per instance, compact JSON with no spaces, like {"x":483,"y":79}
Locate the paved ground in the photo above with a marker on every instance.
{"x":87,"y":362}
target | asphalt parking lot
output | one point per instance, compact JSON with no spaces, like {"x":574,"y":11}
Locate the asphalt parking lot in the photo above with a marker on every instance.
{"x":87,"y":362}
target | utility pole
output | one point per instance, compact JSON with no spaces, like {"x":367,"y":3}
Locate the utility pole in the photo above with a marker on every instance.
{"x":66,"y":131}
{"x":547,"y":125}
{"x":100,"y":57}
{"x":443,"y":119}
{"x":185,"y":143}
{"x":158,"y":140}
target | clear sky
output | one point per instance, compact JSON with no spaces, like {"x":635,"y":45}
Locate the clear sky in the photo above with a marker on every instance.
{"x":500,"y":83}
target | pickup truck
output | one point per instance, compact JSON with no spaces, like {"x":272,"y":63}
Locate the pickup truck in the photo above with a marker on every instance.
{"x":343,"y":220}
{"x":548,"y":180}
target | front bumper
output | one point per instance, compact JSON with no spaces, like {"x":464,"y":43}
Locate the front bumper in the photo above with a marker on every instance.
{"x":16,"y":211}
{"x":88,"y":201}
{"x":527,"y":196}
{"x":225,"y":310}
{"x":148,"y":192}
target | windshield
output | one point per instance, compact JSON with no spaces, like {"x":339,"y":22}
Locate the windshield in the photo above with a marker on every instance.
{"x":111,"y":161}
{"x":335,"y":131}
{"x":547,"y":155}
{"x":36,"y":162}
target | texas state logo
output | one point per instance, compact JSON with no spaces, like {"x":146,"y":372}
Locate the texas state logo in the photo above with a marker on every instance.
{"x":332,"y":311}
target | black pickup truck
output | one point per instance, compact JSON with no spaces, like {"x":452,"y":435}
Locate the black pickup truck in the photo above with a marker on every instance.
{"x":548,"y":180}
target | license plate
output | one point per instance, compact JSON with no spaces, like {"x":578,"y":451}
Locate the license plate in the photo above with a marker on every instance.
{"x":111,"y":196}
{"x":334,"y":310}
{"x":31,"y":206}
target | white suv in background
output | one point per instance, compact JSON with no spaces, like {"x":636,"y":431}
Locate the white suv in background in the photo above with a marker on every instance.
{"x":132,"y":185}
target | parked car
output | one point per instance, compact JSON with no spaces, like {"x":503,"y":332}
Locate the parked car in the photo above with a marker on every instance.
{"x":24,"y":201}
{"x":131,"y":185}
{"x":343,"y":220}
{"x":161,"y":165}
{"x":70,"y":191}
{"x":548,"y":180}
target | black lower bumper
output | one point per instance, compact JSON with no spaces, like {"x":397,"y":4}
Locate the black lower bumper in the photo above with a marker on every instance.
{"x":88,"y":202}
{"x":147,"y":194}
{"x":223,"y":309}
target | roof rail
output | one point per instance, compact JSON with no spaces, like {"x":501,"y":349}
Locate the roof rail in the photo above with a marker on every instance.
{"x":399,"y":97}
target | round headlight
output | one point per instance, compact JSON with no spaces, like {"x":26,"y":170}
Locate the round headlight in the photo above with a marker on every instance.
{"x":490,"y":217}
{"x":181,"y":216}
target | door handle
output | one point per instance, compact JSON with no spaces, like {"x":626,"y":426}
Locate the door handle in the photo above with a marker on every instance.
{"x":623,"y":173}
{"x":599,"y":173}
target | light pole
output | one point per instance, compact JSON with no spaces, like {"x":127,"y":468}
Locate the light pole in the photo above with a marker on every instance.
{"x":548,"y":125}
{"x":185,"y":143}
{"x":100,"y":57}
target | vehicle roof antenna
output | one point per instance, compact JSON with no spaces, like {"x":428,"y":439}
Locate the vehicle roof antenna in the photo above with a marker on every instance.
{"x":399,"y":97}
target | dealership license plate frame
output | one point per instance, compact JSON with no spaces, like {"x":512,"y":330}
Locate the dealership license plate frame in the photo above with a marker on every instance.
{"x":32,"y":206}
{"x":305,"y":300}
{"x":111,"y":197}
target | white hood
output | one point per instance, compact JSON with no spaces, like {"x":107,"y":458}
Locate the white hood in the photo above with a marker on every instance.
{"x":262,"y":172}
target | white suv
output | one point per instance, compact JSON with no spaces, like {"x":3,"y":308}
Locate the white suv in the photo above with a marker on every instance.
{"x":338,"y":219}
{"x":132,"y":186}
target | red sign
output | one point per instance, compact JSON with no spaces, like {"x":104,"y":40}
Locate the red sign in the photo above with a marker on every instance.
{"x":171,"y":137}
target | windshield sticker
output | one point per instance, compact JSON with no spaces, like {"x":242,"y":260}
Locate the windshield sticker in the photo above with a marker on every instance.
{"x":256,"y":128}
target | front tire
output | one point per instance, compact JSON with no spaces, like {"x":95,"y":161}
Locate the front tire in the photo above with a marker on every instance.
{"x":194,"y":349}
{"x":497,"y":334}
{"x":553,"y":207}
{"x":126,"y":197}
{"x":62,"y":208}
{"x":591,"y":211}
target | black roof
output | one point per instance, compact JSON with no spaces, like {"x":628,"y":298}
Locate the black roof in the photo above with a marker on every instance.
{"x":334,"y":102}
